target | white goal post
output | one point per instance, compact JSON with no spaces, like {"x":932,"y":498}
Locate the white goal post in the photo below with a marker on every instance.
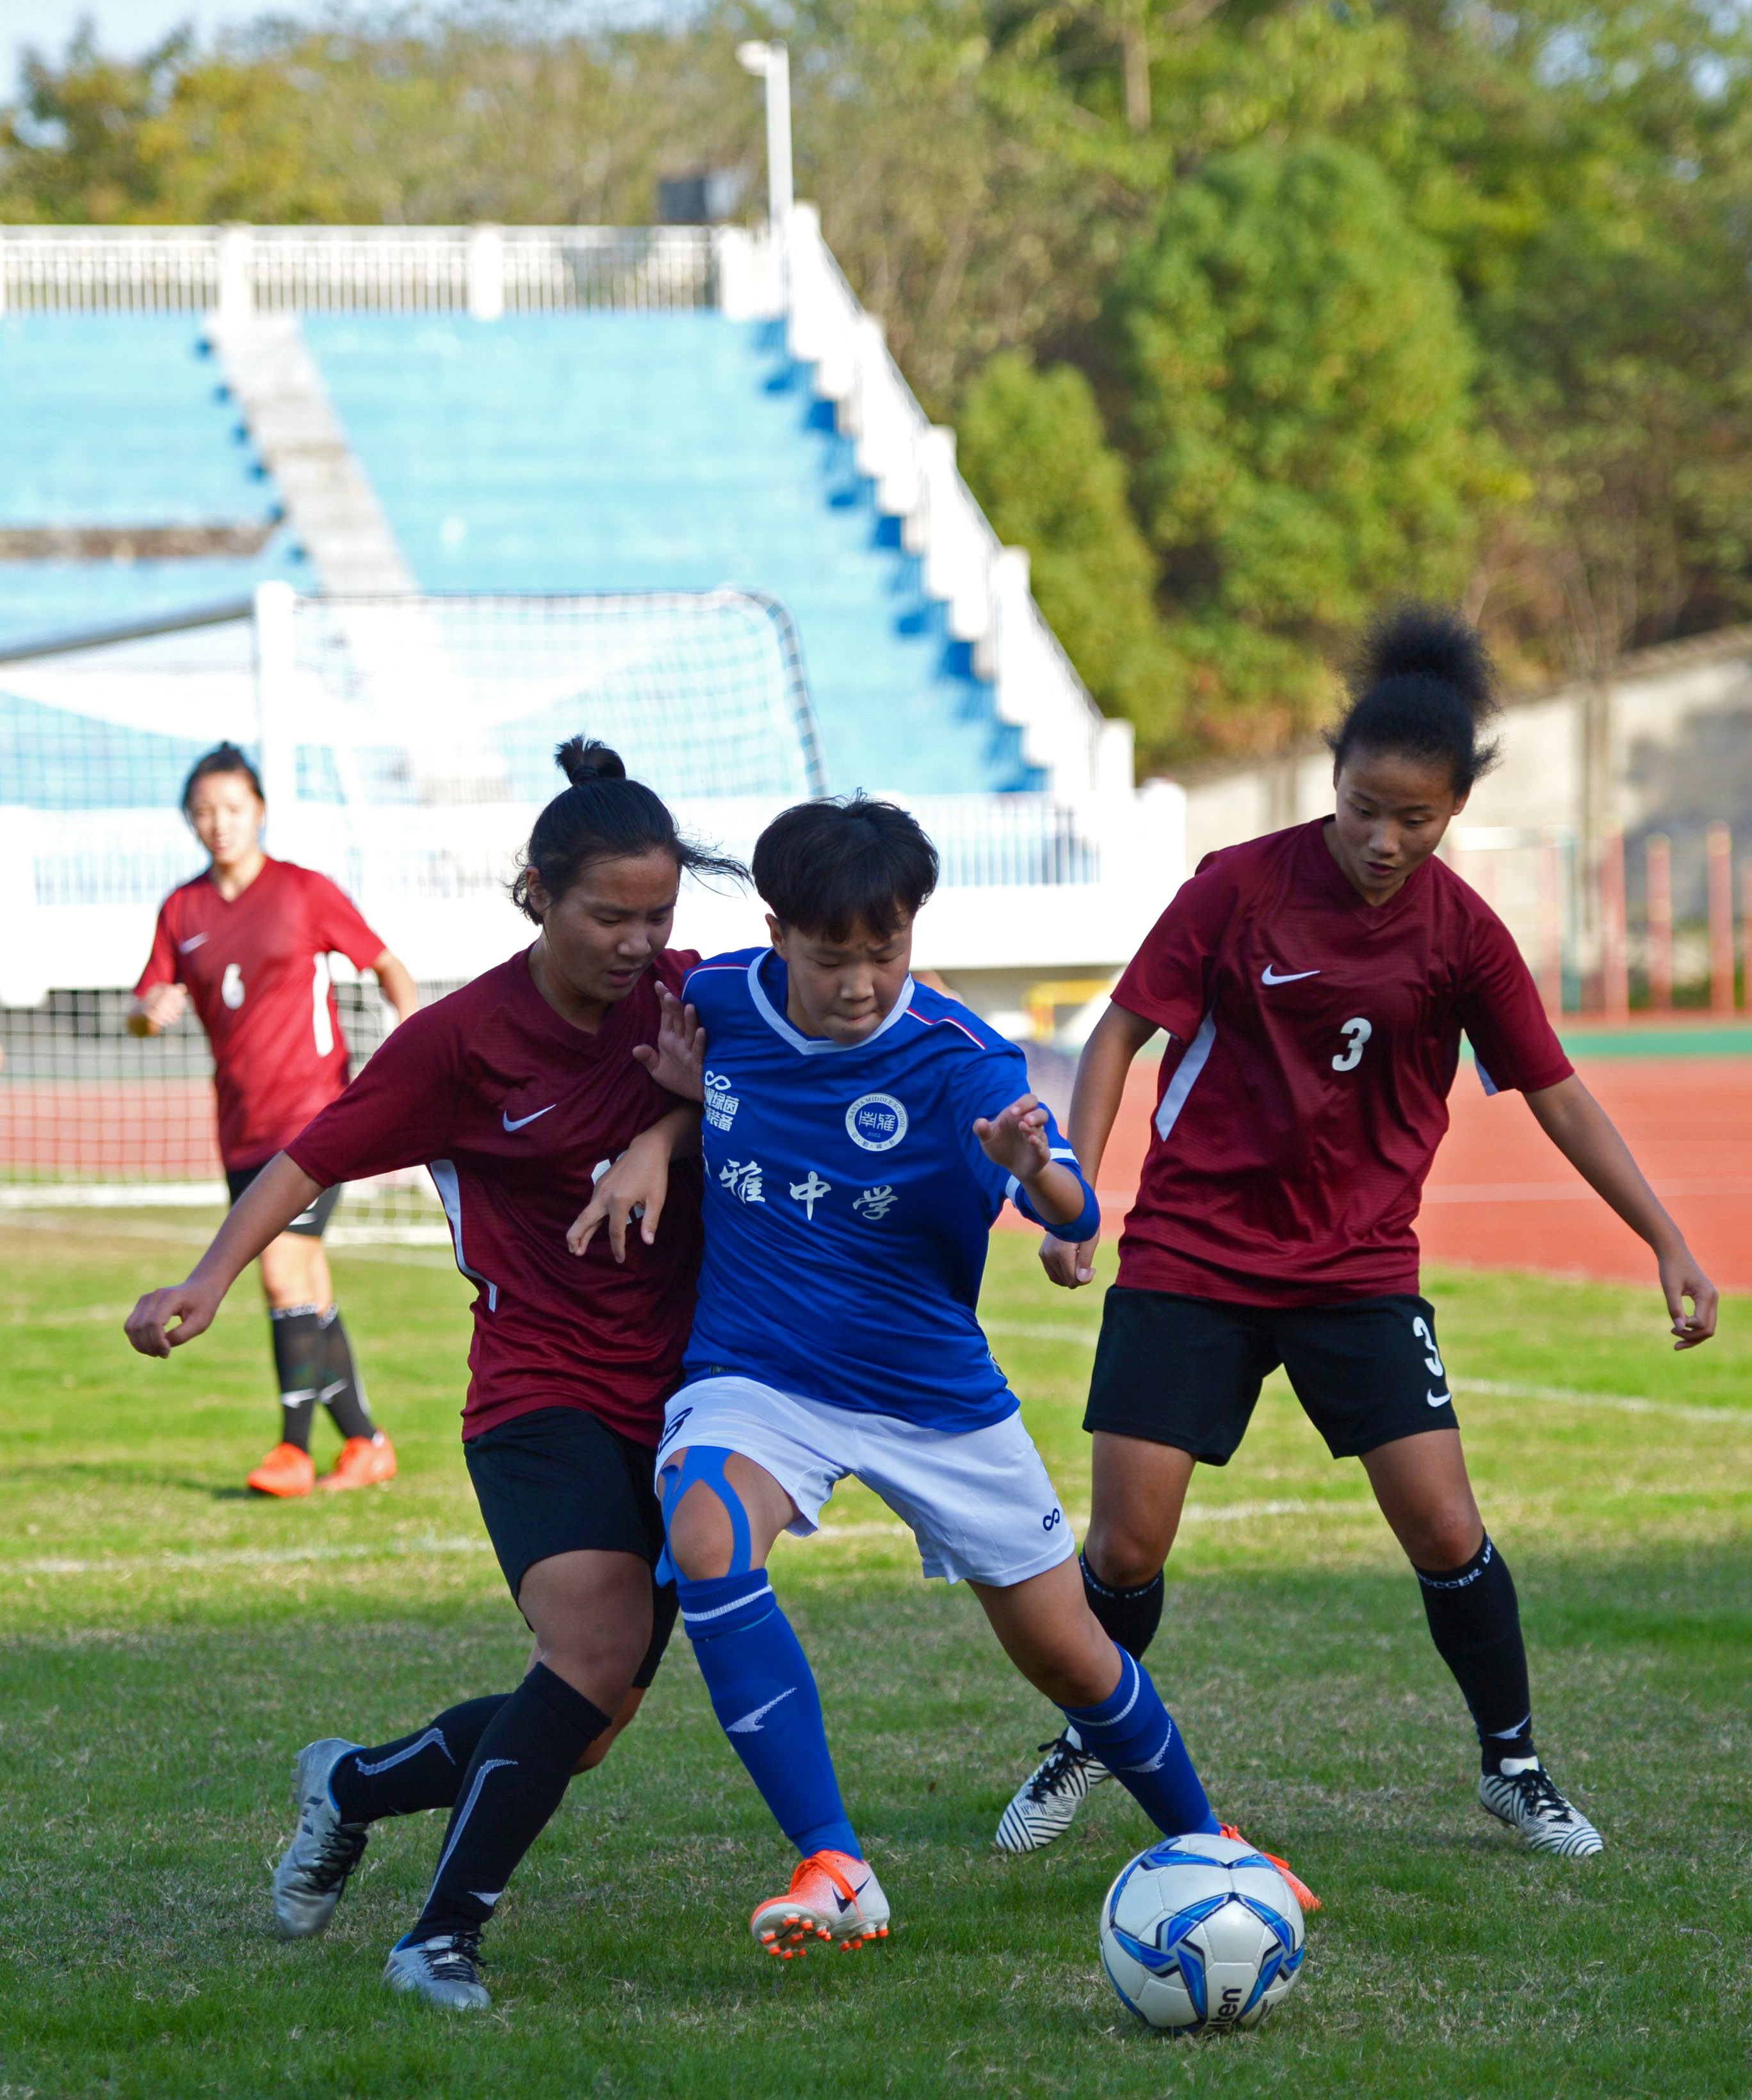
{"x":406,"y":745}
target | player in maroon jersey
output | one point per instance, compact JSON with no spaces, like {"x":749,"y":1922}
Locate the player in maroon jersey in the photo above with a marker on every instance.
{"x":518,"y":1092}
{"x":248,"y":945}
{"x":1314,"y":984}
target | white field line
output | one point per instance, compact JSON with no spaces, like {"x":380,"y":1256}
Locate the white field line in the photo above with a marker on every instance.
{"x":64,"y":1566}
{"x":1563,"y":1396}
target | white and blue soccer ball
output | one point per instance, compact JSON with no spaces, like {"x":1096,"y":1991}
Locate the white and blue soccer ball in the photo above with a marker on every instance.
{"x":1202,"y":1933}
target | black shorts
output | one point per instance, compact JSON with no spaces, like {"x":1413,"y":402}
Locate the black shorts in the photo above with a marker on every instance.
{"x":558,"y":1480}
{"x":311,"y":1223}
{"x":1186,"y":1371}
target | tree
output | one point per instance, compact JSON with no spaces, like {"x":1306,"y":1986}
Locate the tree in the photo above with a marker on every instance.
{"x":1298,"y":384}
{"x":1031,"y":446}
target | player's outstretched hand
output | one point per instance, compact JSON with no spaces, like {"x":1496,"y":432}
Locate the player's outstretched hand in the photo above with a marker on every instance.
{"x":678,"y":1061}
{"x":1682,"y":1278}
{"x":149,"y":1325}
{"x":1015,"y":1138}
{"x":1068,"y":1264}
{"x":634,"y":1187}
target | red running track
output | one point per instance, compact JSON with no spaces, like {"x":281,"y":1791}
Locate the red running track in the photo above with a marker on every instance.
{"x":1500,"y":1196}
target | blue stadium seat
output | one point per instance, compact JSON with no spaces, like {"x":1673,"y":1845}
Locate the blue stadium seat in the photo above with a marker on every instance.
{"x":621,"y":450}
{"x":119,"y":420}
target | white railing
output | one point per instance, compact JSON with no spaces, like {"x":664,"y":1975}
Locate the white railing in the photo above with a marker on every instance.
{"x":982,"y":584}
{"x":484,"y":271}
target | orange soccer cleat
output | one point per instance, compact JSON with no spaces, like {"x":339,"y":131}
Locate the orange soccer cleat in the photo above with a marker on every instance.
{"x":1303,"y":1895}
{"x":365,"y":1461}
{"x":833,"y":1899}
{"x":285,"y":1471}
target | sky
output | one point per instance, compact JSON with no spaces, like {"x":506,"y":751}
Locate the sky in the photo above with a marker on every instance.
{"x":129,"y":27}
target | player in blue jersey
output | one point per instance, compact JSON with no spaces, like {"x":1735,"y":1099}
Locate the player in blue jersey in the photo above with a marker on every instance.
{"x":861,"y":1134}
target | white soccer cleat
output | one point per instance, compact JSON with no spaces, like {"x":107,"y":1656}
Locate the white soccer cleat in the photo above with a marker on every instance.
{"x":833,"y":1899}
{"x":444,"y":1971}
{"x":1527,"y":1801}
{"x":313,"y":1867}
{"x":1046,"y":1803}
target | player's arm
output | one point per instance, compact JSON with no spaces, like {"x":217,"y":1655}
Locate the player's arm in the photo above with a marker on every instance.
{"x":1018,"y":1139}
{"x":1584,"y":1133}
{"x":159,"y":1000}
{"x":396,"y":979}
{"x":636,"y":1185}
{"x":1107,"y":1057}
{"x":270,"y":1204}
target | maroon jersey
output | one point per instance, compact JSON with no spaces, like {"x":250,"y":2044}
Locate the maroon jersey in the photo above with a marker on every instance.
{"x":257,"y":970}
{"x":512,"y":1110}
{"x":1306,"y":1091}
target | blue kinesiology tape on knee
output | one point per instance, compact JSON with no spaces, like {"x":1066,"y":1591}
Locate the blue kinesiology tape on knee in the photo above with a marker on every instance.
{"x":704,"y":1464}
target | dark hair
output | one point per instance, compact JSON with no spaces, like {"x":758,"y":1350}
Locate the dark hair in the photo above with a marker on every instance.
{"x":603,"y":816}
{"x":1423,"y":685}
{"x":827,"y":867}
{"x":222,"y":758}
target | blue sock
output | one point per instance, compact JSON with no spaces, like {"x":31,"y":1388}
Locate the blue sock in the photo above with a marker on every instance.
{"x":1132,"y":1733}
{"x":763,"y":1692}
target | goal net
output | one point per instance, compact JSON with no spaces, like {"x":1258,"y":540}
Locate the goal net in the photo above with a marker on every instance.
{"x":406,"y":745}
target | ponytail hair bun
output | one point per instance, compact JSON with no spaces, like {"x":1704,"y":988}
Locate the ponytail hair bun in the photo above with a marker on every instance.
{"x":583,"y":758}
{"x":1423,"y":686}
{"x":222,"y":758}
{"x":600,"y":815}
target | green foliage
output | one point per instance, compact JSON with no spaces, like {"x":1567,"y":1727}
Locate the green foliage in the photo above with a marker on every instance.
{"x":1031,"y":446}
{"x":1299,"y":390}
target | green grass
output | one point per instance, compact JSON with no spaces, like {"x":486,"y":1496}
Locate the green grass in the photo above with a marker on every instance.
{"x":165,"y":1643}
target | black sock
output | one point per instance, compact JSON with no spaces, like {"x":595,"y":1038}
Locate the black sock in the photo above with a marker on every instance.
{"x":514,"y":1784}
{"x":1128,"y":1618}
{"x":422,"y":1770}
{"x":343,"y":1390}
{"x":1475,"y":1625}
{"x":301,"y":1360}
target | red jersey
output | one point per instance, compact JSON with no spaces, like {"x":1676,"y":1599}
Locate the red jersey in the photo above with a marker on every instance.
{"x":257,"y":970}
{"x":512,"y":1110}
{"x":1303,"y":1099}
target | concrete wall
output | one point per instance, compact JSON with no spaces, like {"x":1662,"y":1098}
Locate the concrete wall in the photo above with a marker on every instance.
{"x":1682,"y":757}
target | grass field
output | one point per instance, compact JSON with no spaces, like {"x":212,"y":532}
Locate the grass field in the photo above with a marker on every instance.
{"x":167,"y":1642}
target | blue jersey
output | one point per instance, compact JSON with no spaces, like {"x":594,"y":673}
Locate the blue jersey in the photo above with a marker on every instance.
{"x":848,"y":1203}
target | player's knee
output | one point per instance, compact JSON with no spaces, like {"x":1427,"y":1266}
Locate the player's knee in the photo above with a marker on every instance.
{"x":704,"y":1520}
{"x":1122,"y":1556}
{"x":1442,"y":1537}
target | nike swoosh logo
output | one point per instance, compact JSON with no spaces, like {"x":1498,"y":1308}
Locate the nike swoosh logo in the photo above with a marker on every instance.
{"x":750,"y":1723}
{"x":522,"y":1122}
{"x":845,"y":1903}
{"x":194,"y":940}
{"x":1438,"y":1399}
{"x":1292,"y":977}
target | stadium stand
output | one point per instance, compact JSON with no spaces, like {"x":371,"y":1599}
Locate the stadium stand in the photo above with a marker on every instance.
{"x":122,"y":453}
{"x":651,"y":450}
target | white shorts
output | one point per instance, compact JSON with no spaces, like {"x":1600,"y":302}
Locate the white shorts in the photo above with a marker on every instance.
{"x":979,"y":1501}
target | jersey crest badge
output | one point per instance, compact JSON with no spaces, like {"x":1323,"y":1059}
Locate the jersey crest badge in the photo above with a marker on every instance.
{"x":876,"y":1122}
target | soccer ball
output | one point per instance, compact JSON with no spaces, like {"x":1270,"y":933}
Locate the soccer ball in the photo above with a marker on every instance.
{"x":1201,"y":1933}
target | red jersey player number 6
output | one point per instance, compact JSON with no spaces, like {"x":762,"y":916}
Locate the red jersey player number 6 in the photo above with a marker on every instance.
{"x":247,"y":943}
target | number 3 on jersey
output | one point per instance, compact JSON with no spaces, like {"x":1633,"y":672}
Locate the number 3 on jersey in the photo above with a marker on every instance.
{"x":1355,"y":1033}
